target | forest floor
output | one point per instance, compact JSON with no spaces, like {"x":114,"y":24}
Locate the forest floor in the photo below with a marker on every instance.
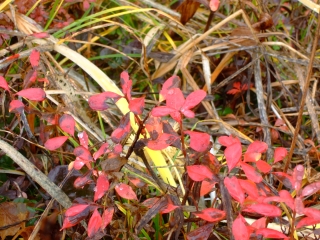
{"x":193,"y":119}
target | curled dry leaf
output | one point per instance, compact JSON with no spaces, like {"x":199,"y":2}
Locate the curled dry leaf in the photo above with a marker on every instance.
{"x":113,"y":164}
{"x":201,"y":233}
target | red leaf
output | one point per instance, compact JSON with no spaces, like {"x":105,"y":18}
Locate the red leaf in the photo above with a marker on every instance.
{"x":199,"y":172}
{"x":206,"y":187}
{"x":260,"y":223}
{"x":81,"y":181}
{"x":107,"y":217}
{"x":75,"y":210}
{"x":126,"y":84}
{"x":297,"y":176}
{"x":239,"y":229}
{"x":4,"y":84}
{"x":233,"y":91}
{"x":67,"y":223}
{"x":167,"y":128}
{"x":249,"y":187}
{"x":188,"y":113}
{"x":67,"y":124}
{"x":34,"y":94}
{"x":199,"y":141}
{"x":117,"y":149}
{"x":40,"y":35}
{"x":214,"y":5}
{"x":123,"y":130}
{"x":85,"y":5}
{"x":257,"y":147}
{"x":72,"y":221}
{"x":168,"y":208}
{"x":162,"y":142}
{"x":193,"y":100}
{"x":45,"y":80}
{"x":307,"y":221}
{"x":98,"y":102}
{"x":83,"y":139}
{"x":228,"y":140}
{"x":30,"y":77}
{"x":83,"y":153}
{"x":75,"y":214}
{"x":50,"y":118}
{"x":201,"y":233}
{"x":211,"y":214}
{"x":310,"y":189}
{"x":136,"y":105}
{"x":279,"y":122}
{"x":176,"y":116}
{"x":270,"y":233}
{"x":251,"y":173}
{"x":54,"y":143}
{"x":162,"y":111}
{"x":312,"y":213}
{"x":263,"y":166}
{"x":34,"y":58}
{"x":95,"y":223}
{"x":16,"y":106}
{"x":272,"y":199}
{"x":251,"y":157}
{"x":154,"y":126}
{"x":12,"y":57}
{"x":265,"y":209}
{"x":233,"y":155}
{"x":236,"y":88}
{"x":125,"y":191}
{"x":279,"y":154}
{"x":102,"y":187}
{"x":102,"y":150}
{"x":175,"y":99}
{"x":286,"y":179}
{"x":287,"y":198}
{"x":80,"y":162}
{"x":298,"y":205}
{"x":172,"y":82}
{"x":234,"y":188}
{"x":137,"y":182}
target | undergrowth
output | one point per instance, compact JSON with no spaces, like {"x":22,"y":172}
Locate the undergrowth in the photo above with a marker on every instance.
{"x":214,"y":133}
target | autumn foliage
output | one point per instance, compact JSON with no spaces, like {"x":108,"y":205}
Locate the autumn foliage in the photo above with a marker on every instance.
{"x":248,"y":191}
{"x":236,"y":192}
